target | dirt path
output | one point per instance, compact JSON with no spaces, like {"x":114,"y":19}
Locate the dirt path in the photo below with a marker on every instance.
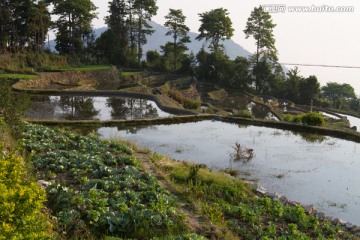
{"x":194,"y":221}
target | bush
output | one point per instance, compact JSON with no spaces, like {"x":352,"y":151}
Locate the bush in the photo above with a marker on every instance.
{"x":21,"y":202}
{"x":312,"y":119}
{"x":244,"y":114}
{"x":12,"y":107}
{"x":309,"y":119}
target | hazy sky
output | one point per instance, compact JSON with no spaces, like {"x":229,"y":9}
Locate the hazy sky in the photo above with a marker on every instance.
{"x":330,"y":38}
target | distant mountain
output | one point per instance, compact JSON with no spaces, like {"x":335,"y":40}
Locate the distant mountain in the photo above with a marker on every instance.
{"x":159,"y":38}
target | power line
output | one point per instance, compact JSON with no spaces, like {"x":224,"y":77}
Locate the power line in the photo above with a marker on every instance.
{"x":319,"y":65}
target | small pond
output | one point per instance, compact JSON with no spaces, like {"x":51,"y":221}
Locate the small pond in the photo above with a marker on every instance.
{"x":91,"y":108}
{"x":311,"y":169}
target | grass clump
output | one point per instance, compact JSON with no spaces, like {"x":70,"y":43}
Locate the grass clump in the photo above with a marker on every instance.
{"x":186,"y":102}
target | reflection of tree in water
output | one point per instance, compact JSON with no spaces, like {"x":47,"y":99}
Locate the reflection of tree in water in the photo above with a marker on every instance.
{"x":311,"y":137}
{"x":134,"y":130}
{"x":127,"y":108}
{"x":235,"y":102}
{"x":78,"y":107}
{"x":259,"y":111}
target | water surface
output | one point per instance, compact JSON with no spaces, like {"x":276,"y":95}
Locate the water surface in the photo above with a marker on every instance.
{"x":311,"y":169}
{"x":92,"y":108}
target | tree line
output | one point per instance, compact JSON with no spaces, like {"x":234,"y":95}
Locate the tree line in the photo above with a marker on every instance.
{"x":24,"y":26}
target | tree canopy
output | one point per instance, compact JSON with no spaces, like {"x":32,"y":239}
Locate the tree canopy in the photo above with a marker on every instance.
{"x":175,"y":22}
{"x":216,"y":25}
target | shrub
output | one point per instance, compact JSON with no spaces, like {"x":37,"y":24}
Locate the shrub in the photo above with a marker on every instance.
{"x":244,"y":114}
{"x":309,"y":119}
{"x":191,"y":104}
{"x":12,"y":107}
{"x":312,"y":119}
{"x":21,"y":202}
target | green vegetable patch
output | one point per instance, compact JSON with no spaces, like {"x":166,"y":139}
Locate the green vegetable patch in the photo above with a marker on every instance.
{"x":97,"y":188}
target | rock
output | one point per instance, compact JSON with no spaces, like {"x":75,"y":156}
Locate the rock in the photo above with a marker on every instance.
{"x":335,"y":221}
{"x":284,"y":200}
{"x":349,"y":225}
{"x":293,"y":203}
{"x":355,"y":229}
{"x":273,"y":196}
{"x":342,"y":222}
{"x":262,"y":190}
{"x":310,"y":209}
{"x":354,"y":128}
{"x":321,"y":215}
{"x":328,"y":218}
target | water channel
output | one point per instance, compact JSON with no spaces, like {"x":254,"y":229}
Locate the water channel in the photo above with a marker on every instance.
{"x":311,"y":169}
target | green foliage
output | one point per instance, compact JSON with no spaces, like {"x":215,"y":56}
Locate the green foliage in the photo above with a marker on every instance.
{"x":309,"y":119}
{"x":179,"y":32}
{"x":100,"y":186}
{"x":27,"y":63}
{"x":228,"y":204}
{"x":73,"y":24}
{"x":12,"y":107}
{"x":23,"y":24}
{"x":244,"y":114}
{"x":260,"y":26}
{"x":312,"y":119}
{"x":215,"y":25}
{"x":215,"y":66}
{"x":21,"y":202}
{"x":341,"y":95}
{"x":17,"y":76}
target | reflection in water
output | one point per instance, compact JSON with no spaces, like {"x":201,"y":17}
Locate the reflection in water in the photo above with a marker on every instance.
{"x":261,"y":112}
{"x":311,"y":137}
{"x":314,"y":169}
{"x":91,"y":108}
{"x":78,"y":107}
{"x":130,"y":108}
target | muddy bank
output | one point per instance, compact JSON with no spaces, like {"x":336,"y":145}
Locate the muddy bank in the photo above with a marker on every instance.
{"x":105,"y":79}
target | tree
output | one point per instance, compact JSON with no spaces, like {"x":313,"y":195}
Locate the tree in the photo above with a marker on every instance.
{"x":39,"y":24}
{"x":23,"y":24}
{"x":338,"y":93}
{"x":153,"y":59}
{"x":308,"y":89}
{"x":178,"y":30}
{"x":144,"y":10}
{"x":5,"y":24}
{"x":260,"y":26}
{"x":242,"y":76}
{"x":114,"y":42}
{"x":74,"y":22}
{"x":215,"y":25}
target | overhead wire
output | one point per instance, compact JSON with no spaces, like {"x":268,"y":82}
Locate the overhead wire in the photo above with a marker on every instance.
{"x":319,"y":65}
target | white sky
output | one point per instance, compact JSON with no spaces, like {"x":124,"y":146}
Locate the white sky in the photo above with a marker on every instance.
{"x":309,"y":38}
